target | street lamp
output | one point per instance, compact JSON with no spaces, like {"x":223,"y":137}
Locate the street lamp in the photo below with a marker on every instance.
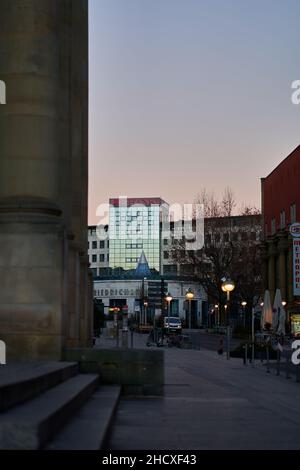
{"x":228,"y":286}
{"x":218,"y":314}
{"x":145,"y":311}
{"x":244,"y":303}
{"x":283,"y":303}
{"x":189,"y":297}
{"x":169,"y":299}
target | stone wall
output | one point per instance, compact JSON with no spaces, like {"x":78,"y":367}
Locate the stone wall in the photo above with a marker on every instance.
{"x":139,"y":371}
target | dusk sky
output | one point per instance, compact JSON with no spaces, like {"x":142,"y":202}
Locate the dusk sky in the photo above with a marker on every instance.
{"x":186,"y":94}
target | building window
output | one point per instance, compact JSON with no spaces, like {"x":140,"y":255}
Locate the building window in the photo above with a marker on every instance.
{"x":166,"y":241}
{"x":282,"y":219}
{"x":226,"y":237}
{"x":187,"y":269}
{"x":102,"y":259}
{"x":170,"y":269}
{"x":166,"y":255}
{"x":88,"y":245}
{"x":94,"y":271}
{"x":253,"y":235}
{"x":94,"y":258}
{"x":102,"y":244}
{"x":108,"y":257}
{"x":94,"y":245}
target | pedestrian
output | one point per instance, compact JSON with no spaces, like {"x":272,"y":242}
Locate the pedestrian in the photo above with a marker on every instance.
{"x":220,"y":350}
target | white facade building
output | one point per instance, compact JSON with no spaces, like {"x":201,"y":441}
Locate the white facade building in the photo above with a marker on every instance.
{"x":131,"y":292}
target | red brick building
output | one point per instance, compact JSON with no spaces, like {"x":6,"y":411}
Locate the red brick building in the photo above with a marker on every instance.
{"x":280,"y":209}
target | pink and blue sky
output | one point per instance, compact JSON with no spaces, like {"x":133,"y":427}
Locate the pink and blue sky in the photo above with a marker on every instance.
{"x":190,"y":93}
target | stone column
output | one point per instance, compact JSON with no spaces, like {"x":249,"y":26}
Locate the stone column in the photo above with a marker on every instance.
{"x":79,"y":158}
{"x":265,"y":262}
{"x":43,"y":173}
{"x":271,"y":267}
{"x":282,"y":250}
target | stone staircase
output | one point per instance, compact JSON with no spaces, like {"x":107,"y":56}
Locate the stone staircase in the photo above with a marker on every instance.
{"x":52,"y":406}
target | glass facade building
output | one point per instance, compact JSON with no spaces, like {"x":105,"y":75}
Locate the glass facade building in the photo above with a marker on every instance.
{"x":135,"y":226}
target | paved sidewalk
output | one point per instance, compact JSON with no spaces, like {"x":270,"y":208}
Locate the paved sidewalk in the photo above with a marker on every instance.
{"x":211,"y":403}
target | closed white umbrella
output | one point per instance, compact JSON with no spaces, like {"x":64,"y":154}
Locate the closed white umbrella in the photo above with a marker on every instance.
{"x":282,"y":320}
{"x":267,"y":313}
{"x":276,"y":310}
{"x":281,"y":314}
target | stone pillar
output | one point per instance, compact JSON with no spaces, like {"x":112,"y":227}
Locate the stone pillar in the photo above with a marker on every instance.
{"x":43,"y":173}
{"x":265,"y":262}
{"x":271,"y":267}
{"x":282,"y":250}
{"x":79,"y":161}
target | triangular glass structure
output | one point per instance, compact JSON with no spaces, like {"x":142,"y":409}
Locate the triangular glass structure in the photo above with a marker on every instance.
{"x":142,"y":269}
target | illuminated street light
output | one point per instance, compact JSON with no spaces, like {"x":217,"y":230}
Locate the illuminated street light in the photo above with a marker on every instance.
{"x":244,"y":303}
{"x":189,"y":297}
{"x":169,"y":299}
{"x":228,"y":286}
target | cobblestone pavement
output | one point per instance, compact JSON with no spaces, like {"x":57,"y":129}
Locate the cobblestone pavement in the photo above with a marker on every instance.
{"x":211,"y":403}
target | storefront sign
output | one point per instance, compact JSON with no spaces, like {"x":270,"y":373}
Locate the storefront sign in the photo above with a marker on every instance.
{"x":295,"y":232}
{"x":135,"y":293}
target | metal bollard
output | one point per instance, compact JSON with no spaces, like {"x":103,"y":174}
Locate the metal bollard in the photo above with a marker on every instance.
{"x":268,"y":363}
{"x":278,"y":363}
{"x":131,"y":337}
{"x":287,"y":370}
{"x":246,"y":354}
{"x":298,"y":373}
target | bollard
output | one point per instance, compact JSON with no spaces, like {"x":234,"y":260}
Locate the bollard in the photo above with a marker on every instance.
{"x":246,"y":354}
{"x":228,"y":342}
{"x":250,"y":354}
{"x":131,"y":337}
{"x":117,"y":334}
{"x":278,"y":363}
{"x":268,"y":363}
{"x":298,"y":373}
{"x":287,"y":370}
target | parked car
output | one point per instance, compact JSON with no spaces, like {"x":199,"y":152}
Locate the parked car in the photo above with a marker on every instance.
{"x":172,"y":325}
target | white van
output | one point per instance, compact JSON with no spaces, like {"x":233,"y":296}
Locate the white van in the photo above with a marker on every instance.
{"x":172,"y":325}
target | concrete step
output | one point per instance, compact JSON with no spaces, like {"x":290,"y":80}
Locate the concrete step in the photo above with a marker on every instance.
{"x":31,"y":425}
{"x":20,"y":382}
{"x":89,"y":428}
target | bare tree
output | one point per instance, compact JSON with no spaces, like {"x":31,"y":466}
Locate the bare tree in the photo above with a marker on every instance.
{"x":222,"y":257}
{"x":228,"y":202}
{"x":248,"y":209}
{"x":211,"y":205}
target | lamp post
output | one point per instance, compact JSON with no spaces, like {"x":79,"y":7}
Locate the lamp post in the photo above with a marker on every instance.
{"x":244,"y":303}
{"x":189,"y":297}
{"x":145,"y":311}
{"x":218,"y":314}
{"x":228,"y":286}
{"x":252,"y":334}
{"x":169,"y":299}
